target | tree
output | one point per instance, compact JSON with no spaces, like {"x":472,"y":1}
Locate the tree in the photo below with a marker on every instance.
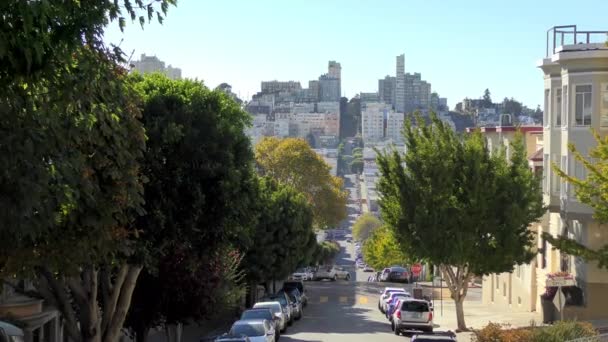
{"x":452,"y":203}
{"x":487,"y":99}
{"x":592,"y":191}
{"x":199,"y":199}
{"x":364,"y":226}
{"x":356,"y":165}
{"x":291,"y":161}
{"x":350,"y":116}
{"x":282,"y":236}
{"x":70,"y":150}
{"x":382,"y":250}
{"x":511,"y":106}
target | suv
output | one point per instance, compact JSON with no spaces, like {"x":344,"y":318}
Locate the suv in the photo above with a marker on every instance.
{"x":446,"y":336}
{"x":290,"y":285}
{"x":414,"y":314}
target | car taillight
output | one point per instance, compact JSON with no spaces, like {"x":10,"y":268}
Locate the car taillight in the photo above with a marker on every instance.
{"x":399,"y":314}
{"x":430,"y":316}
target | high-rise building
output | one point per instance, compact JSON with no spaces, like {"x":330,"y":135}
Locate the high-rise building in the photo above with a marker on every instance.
{"x":151,"y":64}
{"x":278,"y":86}
{"x":372,"y":122}
{"x":313,"y":89}
{"x":386,"y":90}
{"x":334,"y":69}
{"x":400,"y":84}
{"x":329,"y":88}
{"x":394,"y":125}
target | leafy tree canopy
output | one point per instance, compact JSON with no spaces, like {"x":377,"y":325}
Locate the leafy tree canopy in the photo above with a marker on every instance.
{"x":382,"y":250}
{"x":291,"y":161}
{"x":451,"y":202}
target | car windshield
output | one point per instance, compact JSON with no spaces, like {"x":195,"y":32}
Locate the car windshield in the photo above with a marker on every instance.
{"x":253,"y":329}
{"x":398,"y":269}
{"x":273,"y":308}
{"x":415,"y":307}
{"x":257,"y":314}
{"x":301,"y":270}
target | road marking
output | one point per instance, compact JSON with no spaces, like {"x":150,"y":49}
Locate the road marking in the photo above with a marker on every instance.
{"x":343,"y":299}
{"x":323,"y":299}
{"x":362,"y":300}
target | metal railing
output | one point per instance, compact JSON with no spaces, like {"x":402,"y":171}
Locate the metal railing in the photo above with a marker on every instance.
{"x":598,"y":338}
{"x":568,"y":35}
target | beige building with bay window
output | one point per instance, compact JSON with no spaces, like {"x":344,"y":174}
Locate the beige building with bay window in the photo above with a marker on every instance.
{"x":575,"y":93}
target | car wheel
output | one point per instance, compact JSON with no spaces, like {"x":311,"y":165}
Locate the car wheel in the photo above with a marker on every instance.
{"x":290,"y":322}
{"x":348,"y":277}
{"x":335,"y":278}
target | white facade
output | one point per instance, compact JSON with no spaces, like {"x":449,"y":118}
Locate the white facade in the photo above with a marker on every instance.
{"x":394,"y":126}
{"x":372,"y":122}
{"x":151,"y":64}
{"x":328,"y":107}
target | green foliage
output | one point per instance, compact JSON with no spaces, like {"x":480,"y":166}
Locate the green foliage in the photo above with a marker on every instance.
{"x":487,"y":98}
{"x":382,"y":250}
{"x":283,"y":234}
{"x":356,"y":165}
{"x":326,"y":252}
{"x":559,"y":332}
{"x":451,"y":202}
{"x":592,"y":191}
{"x":350,"y":117}
{"x":365,"y":225}
{"x":511,"y":106}
{"x":199,"y":199}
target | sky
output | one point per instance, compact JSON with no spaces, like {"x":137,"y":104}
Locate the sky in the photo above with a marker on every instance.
{"x":461,"y":47}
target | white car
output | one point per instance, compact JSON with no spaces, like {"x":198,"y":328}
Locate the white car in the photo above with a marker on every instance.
{"x":277,"y":310}
{"x":302,"y":274}
{"x":384,"y":296}
{"x":393,"y":296}
{"x":259,"y":330}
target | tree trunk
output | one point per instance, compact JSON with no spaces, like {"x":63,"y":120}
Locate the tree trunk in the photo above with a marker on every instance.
{"x":174,"y":332}
{"x":460,"y":314}
{"x":458,"y":283}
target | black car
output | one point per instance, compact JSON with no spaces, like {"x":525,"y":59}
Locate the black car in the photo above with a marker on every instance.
{"x":263,"y":314}
{"x":290,"y":285}
{"x":398,"y":274}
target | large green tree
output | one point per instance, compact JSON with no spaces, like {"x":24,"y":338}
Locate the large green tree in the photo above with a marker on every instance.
{"x":382,"y":249}
{"x":283,"y":236}
{"x":593,"y":191}
{"x":69,"y":150}
{"x":199,"y":199}
{"x":293,"y":162}
{"x":452,"y":203}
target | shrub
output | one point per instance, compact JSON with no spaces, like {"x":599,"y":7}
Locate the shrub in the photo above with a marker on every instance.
{"x":560,"y":332}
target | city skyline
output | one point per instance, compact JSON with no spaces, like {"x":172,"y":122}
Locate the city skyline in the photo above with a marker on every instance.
{"x":462,"y":49}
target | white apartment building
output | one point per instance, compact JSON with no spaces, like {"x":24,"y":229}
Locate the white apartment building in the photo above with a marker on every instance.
{"x":394,"y":126}
{"x":372,"y":122}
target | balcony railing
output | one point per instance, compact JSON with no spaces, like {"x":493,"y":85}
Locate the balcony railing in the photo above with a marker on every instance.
{"x":568,"y":35}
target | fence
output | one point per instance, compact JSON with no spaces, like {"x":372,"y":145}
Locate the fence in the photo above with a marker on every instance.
{"x":598,"y":338}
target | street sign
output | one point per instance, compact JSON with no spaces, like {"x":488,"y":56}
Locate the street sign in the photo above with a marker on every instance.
{"x":416,"y":269}
{"x":559,"y":300}
{"x":560,"y":281}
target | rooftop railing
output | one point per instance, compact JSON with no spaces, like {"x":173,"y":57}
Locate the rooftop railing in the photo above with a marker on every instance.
{"x":568,"y":35}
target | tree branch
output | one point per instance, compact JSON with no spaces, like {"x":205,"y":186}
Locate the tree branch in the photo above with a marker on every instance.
{"x":122,"y":307}
{"x":113,"y":295}
{"x":64,"y":304}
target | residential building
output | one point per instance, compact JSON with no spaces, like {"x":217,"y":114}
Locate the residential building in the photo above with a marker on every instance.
{"x":386,"y":90}
{"x":575,"y":100}
{"x":394,"y":126}
{"x":313,"y":89}
{"x":575,"y":93}
{"x":328,"y":107}
{"x":278,"y":86}
{"x":329,"y":88}
{"x":417,"y":93}
{"x":151,"y":64}
{"x":372,"y":122}
{"x":369,"y":97}
{"x":400,"y":85}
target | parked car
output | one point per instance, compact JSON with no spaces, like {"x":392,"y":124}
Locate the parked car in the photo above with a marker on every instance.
{"x":10,"y":333}
{"x":443,"y":336}
{"x":259,"y":330}
{"x":391,"y":297}
{"x":290,"y":285}
{"x":263,"y":313}
{"x":384,"y":274}
{"x":393,"y":301}
{"x":285,"y":303}
{"x":414,"y":314}
{"x":326,"y":272}
{"x":398,"y":275}
{"x":301,"y":274}
{"x":277,"y":311}
{"x":384,"y":294}
{"x":295,"y":302}
{"x":232,"y":338}
{"x":342,"y":273}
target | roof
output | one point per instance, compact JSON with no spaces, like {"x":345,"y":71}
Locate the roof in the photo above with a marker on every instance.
{"x":10,"y":329}
{"x":266,"y":303}
{"x":537,"y":156}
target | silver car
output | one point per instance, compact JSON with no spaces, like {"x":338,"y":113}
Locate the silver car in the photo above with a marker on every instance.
{"x":413,"y":314}
{"x":277,"y":311}
{"x":260,"y":330}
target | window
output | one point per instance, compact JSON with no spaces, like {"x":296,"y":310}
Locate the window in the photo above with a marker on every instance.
{"x":546,"y":169}
{"x":604,"y":106}
{"x":555,"y":179}
{"x":546,"y":112}
{"x":582,"y":101}
{"x":564,"y":109}
{"x":558,"y":108}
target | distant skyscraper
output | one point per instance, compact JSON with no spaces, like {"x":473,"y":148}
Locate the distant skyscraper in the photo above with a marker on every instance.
{"x":386,"y":90}
{"x":334,"y":69}
{"x":400,"y":84}
{"x":329,"y":88}
{"x":151,"y":64}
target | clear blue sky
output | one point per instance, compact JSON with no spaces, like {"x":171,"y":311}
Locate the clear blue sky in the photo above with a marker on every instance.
{"x":460,"y":46}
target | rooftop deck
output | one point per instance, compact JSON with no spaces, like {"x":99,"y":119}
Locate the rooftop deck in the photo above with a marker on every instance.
{"x":569,"y":38}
